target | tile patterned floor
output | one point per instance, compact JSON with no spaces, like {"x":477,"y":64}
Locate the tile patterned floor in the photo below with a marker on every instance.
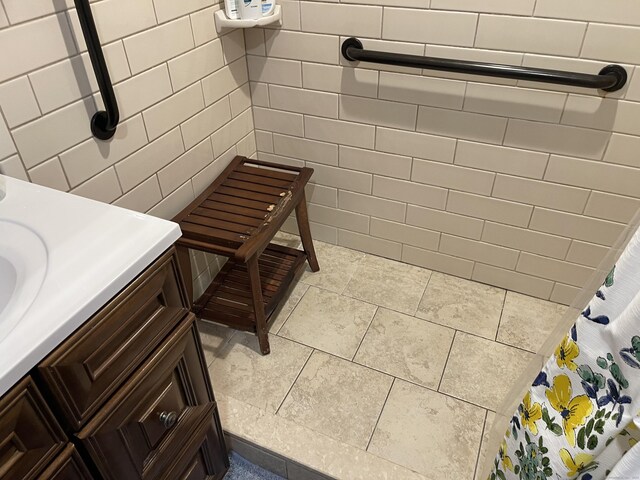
{"x":402,"y":364}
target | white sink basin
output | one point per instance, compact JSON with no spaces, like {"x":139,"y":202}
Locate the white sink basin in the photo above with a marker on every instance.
{"x":23,"y":266}
{"x":62,"y":257}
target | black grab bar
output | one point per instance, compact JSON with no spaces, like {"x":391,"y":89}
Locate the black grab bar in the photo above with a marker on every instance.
{"x":104,"y":123}
{"x":610,"y":78}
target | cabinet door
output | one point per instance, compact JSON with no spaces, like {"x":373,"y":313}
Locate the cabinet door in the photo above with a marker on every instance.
{"x":67,"y":466}
{"x":92,"y":364}
{"x":30,"y":437}
{"x":143,"y":428}
{"x":206,"y":456}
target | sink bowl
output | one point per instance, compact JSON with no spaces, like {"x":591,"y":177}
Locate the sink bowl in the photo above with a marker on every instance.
{"x":23,"y":267}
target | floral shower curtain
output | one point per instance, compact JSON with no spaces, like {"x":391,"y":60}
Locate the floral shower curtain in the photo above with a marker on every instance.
{"x":580,"y":417}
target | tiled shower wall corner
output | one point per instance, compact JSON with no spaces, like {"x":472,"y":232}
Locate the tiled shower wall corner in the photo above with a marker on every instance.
{"x":182,"y":90}
{"x":515,"y":184}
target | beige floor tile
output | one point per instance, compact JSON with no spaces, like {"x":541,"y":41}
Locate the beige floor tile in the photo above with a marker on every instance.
{"x":406,"y":347}
{"x":488,"y":423}
{"x":330,"y":322}
{"x":389,"y":284}
{"x":337,"y":398}
{"x":527,"y":322}
{"x":240,"y":371}
{"x":428,"y":432}
{"x":213,"y":337}
{"x":337,"y":266}
{"x":481,"y":371}
{"x":461,"y":304}
{"x":285,"y":310}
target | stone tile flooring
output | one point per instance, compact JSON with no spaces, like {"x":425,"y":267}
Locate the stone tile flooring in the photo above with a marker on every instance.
{"x":369,"y":355}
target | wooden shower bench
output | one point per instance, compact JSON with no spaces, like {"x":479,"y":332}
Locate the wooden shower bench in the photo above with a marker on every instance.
{"x":237,"y":216}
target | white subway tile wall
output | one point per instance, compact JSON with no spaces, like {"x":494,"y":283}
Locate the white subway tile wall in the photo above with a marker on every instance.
{"x":182,"y":89}
{"x":511,"y":183}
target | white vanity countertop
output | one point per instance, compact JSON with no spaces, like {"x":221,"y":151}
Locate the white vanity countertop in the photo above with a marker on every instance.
{"x":94,"y":250}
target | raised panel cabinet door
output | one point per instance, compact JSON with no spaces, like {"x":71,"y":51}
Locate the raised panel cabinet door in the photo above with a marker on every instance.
{"x":144,"y":427}
{"x":67,"y":466}
{"x":206,"y":455}
{"x":91,"y":365}
{"x":30,"y":437}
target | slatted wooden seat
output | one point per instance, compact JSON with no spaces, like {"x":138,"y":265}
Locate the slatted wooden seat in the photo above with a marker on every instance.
{"x":238,"y":216}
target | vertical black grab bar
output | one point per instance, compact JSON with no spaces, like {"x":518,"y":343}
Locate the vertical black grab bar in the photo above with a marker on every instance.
{"x":104,"y":123}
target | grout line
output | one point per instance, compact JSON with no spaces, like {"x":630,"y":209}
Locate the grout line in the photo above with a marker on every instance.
{"x":446,"y":363}
{"x":504,"y":301}
{"x":380,"y":414}
{"x":313,"y":350}
{"x":484,"y":426}
{"x":365,"y":334}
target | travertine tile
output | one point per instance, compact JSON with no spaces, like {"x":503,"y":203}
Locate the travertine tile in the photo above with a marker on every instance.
{"x":337,"y":266}
{"x":482,"y":371}
{"x":328,"y":382}
{"x":527,"y":322}
{"x":242,"y":372}
{"x":329,"y":322}
{"x":288,"y":305}
{"x":463,"y":305}
{"x":482,"y":456}
{"x":214,"y":338}
{"x":388,"y":284}
{"x":416,"y":420}
{"x":406,"y":347}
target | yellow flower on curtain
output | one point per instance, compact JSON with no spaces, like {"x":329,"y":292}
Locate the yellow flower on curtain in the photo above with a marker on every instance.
{"x":530,"y":414}
{"x":574,"y":411}
{"x":575,"y":465}
{"x":566,"y":352}
{"x":506,"y":461}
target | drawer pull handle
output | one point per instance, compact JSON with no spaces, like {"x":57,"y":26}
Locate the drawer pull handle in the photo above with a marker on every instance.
{"x":168,"y":419}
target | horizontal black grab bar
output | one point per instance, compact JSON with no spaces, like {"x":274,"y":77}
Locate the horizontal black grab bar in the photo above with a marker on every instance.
{"x":104,"y":123}
{"x":610,"y":78}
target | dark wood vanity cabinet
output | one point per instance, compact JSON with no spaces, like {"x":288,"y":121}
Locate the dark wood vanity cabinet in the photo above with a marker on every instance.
{"x":128,"y":395}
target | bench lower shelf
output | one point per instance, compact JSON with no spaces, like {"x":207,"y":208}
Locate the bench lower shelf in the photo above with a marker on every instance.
{"x":228,"y":299}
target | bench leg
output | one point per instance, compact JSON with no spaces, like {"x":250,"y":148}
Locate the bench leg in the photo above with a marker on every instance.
{"x":258,"y":305}
{"x":302,"y":217}
{"x":184,"y":261}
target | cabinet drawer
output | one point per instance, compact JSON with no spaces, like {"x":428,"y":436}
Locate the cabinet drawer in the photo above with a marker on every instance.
{"x":206,"y":455}
{"x":143,"y":428}
{"x":30,"y":437}
{"x":91,"y":364}
{"x":67,"y":466}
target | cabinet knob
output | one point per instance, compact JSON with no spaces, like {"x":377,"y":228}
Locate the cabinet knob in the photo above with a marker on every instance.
{"x":168,"y":419}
